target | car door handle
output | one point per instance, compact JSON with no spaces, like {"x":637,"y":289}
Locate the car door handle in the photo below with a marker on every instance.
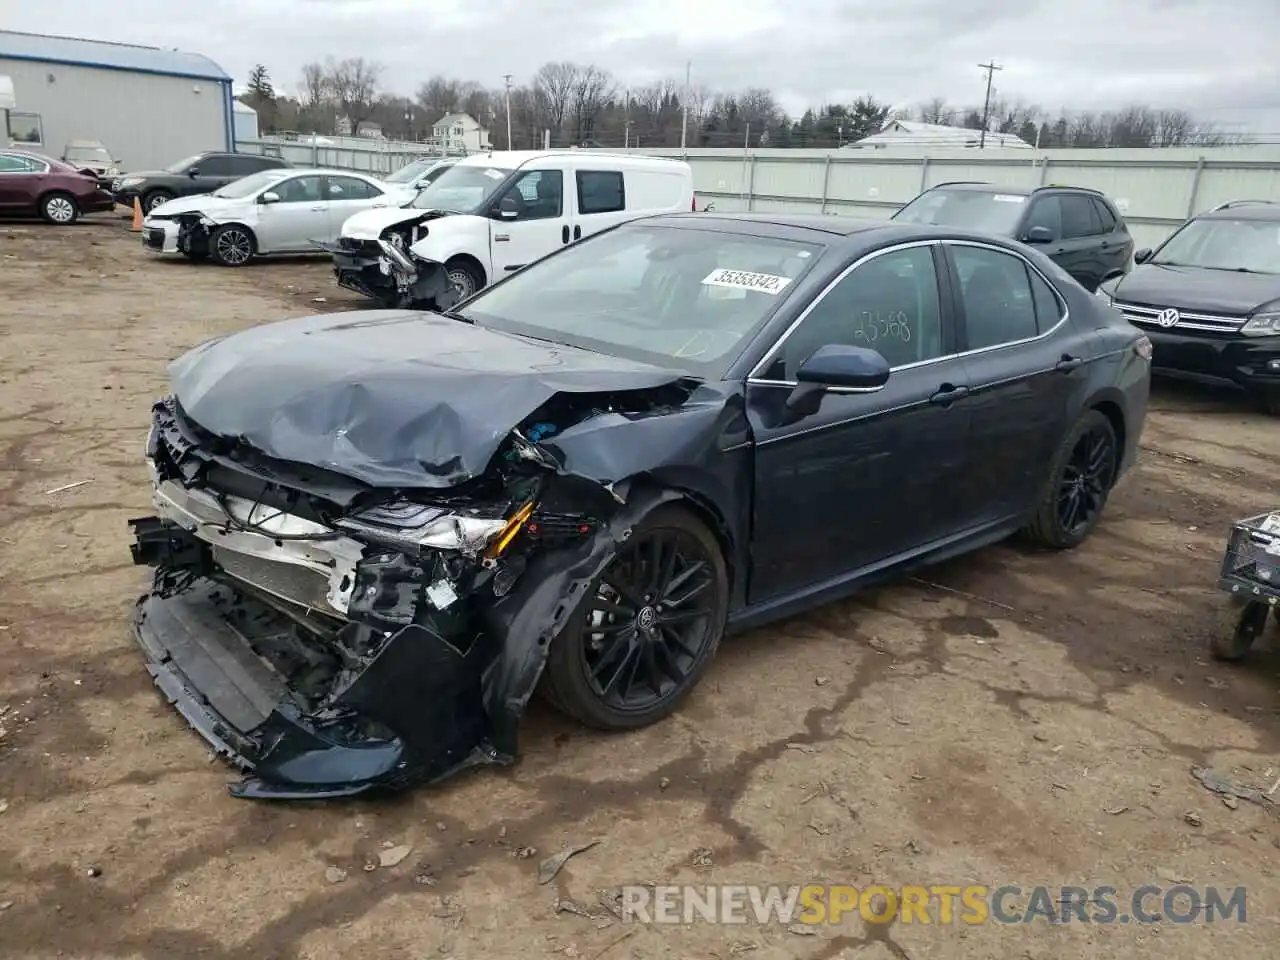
{"x":319,"y":209}
{"x":577,"y":232}
{"x":564,"y":234}
{"x":948,"y":394}
{"x":1068,"y":363}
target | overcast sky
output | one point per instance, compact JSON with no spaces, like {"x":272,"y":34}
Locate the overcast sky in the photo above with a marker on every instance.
{"x":1219,"y":59}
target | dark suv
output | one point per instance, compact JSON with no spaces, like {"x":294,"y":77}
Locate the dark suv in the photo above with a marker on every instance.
{"x":203,"y":173}
{"x":1209,"y":298}
{"x":1078,"y":228}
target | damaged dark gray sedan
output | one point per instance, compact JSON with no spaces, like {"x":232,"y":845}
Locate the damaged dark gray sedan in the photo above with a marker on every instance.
{"x":377,"y":533}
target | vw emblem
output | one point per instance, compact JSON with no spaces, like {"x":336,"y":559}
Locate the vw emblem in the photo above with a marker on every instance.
{"x":1167,"y":318}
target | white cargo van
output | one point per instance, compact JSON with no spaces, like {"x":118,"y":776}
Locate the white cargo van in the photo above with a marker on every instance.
{"x":490,"y":215}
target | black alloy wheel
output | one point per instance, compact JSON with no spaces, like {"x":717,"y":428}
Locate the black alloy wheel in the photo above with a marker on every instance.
{"x":1089,"y":473}
{"x":1084,"y":470}
{"x":647,"y":628}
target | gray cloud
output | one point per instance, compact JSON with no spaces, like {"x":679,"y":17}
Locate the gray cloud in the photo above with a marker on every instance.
{"x":1215,"y":59}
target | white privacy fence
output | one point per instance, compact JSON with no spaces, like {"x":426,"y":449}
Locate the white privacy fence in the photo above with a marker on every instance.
{"x":1155,"y":189}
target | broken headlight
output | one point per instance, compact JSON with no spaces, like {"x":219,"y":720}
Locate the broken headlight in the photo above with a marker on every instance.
{"x":414,"y":526}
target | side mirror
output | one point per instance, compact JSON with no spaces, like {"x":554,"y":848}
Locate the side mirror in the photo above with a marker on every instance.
{"x":1039,"y":235}
{"x":837,"y":365}
{"x":507,"y":208}
{"x":193,"y":171}
{"x":1143,"y":255}
{"x":269,"y":197}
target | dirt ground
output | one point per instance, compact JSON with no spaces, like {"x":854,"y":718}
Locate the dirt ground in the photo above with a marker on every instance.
{"x":1011,"y":717}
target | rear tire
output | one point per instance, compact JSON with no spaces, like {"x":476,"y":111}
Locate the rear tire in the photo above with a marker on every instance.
{"x":59,"y":208}
{"x":1081,"y":474}
{"x":231,"y":245}
{"x":1234,"y":638}
{"x":647,"y":627}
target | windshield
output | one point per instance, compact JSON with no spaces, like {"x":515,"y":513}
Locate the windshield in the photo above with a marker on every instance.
{"x":411,"y":172}
{"x":462,"y":188}
{"x":980,"y":210}
{"x":182,"y":166}
{"x":1247,"y":245}
{"x":248,"y":186}
{"x":675,"y":297}
{"x":88,"y":154}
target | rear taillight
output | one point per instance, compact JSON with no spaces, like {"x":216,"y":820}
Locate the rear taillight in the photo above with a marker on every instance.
{"x":694,"y":207}
{"x":1142,"y":347}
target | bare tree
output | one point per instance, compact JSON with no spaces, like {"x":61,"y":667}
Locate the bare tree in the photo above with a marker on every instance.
{"x":313,"y":91}
{"x":353,"y":84}
{"x":591,"y":92}
{"x":937,"y":111}
{"x":555,"y":83}
{"x":438,"y":96}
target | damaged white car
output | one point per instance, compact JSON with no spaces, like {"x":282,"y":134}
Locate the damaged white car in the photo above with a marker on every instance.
{"x":274,"y":211}
{"x":487,"y":216}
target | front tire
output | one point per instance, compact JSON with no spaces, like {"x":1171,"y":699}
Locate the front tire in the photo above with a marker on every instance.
{"x":1082,"y":472}
{"x":60,"y":209}
{"x":464,"y":277}
{"x":154,"y":199}
{"x":647,"y":628}
{"x":231,"y":245}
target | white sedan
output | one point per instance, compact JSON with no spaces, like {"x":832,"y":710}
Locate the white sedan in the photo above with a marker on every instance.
{"x":274,"y":211}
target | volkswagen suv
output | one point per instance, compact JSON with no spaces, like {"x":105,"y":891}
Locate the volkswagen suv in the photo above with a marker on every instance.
{"x":1209,"y":299}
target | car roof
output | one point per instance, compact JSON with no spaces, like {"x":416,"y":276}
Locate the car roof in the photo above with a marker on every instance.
{"x":43,"y":157}
{"x":1262,"y":210}
{"x":516,"y":158}
{"x":324,"y":171}
{"x":821,"y":228}
{"x":1017,"y":191}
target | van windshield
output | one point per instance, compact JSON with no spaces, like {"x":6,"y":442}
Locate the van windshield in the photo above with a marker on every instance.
{"x":463,"y":188}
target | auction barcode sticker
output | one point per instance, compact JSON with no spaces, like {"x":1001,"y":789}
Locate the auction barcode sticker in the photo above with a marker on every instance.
{"x":746,"y":280}
{"x":1008,"y":198}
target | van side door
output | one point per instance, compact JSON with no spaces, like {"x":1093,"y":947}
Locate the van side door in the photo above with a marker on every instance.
{"x":528,"y":220}
{"x":601,"y":200}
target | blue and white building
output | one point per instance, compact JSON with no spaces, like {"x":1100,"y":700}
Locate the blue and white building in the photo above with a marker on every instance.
{"x":150,"y":107}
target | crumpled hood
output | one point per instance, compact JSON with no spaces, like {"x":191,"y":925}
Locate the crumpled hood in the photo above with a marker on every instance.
{"x":1197,"y":289}
{"x":369,"y":224}
{"x":392,"y":398}
{"x":196,"y":203}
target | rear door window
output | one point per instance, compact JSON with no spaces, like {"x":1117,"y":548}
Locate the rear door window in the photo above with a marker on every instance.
{"x":1105,"y":215}
{"x":601,"y":191}
{"x":1079,"y":217}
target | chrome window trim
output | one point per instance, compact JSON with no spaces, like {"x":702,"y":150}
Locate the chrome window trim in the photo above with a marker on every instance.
{"x":771,"y":355}
{"x":756,"y":380}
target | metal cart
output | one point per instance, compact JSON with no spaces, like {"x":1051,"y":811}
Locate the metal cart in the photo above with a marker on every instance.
{"x":1251,"y":574}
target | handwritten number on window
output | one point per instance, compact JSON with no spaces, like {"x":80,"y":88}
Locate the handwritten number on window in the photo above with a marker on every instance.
{"x":893,"y":325}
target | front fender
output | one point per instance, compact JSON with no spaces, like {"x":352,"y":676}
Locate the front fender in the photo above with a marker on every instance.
{"x":458,"y":235}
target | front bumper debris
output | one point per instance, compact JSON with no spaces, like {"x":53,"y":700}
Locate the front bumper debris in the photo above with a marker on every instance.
{"x":326,"y":652}
{"x":199,"y":654}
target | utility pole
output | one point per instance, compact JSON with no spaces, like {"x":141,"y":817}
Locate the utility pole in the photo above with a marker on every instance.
{"x":684,"y":115}
{"x":506,"y":79}
{"x":991,"y":69}
{"x":626,"y":122}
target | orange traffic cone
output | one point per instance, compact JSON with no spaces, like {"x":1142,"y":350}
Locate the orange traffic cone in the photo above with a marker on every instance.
{"x":137,"y":216}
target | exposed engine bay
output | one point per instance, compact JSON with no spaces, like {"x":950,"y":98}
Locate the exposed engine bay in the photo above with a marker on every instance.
{"x":386,"y":270}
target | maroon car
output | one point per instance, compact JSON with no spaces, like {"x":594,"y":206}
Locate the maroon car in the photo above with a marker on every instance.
{"x":32,"y":184}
